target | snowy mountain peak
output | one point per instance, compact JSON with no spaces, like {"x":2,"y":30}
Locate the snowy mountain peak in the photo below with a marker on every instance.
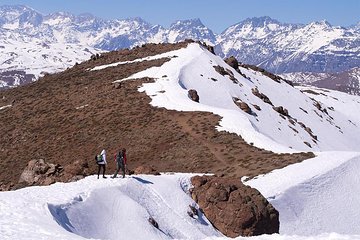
{"x":196,"y":22}
{"x":19,"y":16}
{"x":260,"y":21}
{"x":190,"y":29}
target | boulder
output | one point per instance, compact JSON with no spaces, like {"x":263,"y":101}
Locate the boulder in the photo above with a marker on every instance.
{"x":40,"y":172}
{"x":146,"y":170}
{"x":193,"y":95}
{"x":232,"y":62}
{"x":233,"y":208}
{"x":281,"y":110}
{"x":244,"y":106}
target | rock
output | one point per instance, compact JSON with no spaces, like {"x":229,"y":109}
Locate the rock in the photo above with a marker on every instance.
{"x":220,"y":70}
{"x":40,"y":173}
{"x":281,"y":110}
{"x":232,"y":62}
{"x":193,"y":95}
{"x":262,"y":96}
{"x":146,"y":170}
{"x":245,"y":107}
{"x":233,"y":208}
{"x":117,"y":85}
{"x":153,"y":222}
{"x":257,"y":107}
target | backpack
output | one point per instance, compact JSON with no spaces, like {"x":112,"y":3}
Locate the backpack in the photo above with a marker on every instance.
{"x":98,"y":158}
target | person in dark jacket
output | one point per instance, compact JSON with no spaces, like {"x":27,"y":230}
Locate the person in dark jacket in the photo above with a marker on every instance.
{"x":120,"y":159}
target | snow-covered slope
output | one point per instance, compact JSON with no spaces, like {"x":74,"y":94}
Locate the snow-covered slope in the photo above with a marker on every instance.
{"x":310,"y":119}
{"x":120,"y":208}
{"x":104,"y":209}
{"x":316,"y":196}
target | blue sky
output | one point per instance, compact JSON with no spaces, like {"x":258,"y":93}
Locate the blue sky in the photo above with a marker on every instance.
{"x":215,"y":14}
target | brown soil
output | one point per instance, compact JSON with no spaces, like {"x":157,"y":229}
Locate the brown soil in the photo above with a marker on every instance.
{"x":44,"y":122}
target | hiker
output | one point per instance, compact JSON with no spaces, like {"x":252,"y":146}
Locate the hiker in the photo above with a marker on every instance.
{"x":120,"y":159}
{"x":101,"y":161}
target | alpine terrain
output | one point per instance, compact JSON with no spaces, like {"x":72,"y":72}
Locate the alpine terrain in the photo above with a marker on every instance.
{"x":298,"y":51}
{"x":177,"y":108}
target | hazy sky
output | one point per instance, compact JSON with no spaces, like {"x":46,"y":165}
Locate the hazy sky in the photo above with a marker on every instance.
{"x":215,"y":14}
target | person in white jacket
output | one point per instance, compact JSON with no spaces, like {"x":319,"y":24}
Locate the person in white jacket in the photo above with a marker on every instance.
{"x":102,"y":163}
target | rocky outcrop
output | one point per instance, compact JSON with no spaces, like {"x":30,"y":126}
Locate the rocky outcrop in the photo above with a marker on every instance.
{"x":233,"y":208}
{"x":39,"y":172}
{"x":193,"y":95}
{"x":232,"y":62}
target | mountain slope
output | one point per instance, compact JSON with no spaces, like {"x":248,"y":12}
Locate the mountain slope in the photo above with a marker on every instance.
{"x":300,"y":122}
{"x":78,"y":112}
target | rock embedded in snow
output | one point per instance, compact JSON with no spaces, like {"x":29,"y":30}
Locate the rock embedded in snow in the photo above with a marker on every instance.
{"x":193,"y":95}
{"x":232,"y":62}
{"x":233,"y":208}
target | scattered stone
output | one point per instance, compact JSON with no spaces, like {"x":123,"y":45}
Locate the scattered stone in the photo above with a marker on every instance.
{"x":193,"y":95}
{"x":233,"y":208}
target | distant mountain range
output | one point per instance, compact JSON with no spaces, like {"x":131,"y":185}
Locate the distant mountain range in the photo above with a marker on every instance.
{"x":33,"y":44}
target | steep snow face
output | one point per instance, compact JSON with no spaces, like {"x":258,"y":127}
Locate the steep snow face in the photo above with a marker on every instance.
{"x":306,"y":122}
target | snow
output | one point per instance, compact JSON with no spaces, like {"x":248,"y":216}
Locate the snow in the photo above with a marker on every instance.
{"x":104,"y":209}
{"x":316,"y":196}
{"x":111,"y":208}
{"x":6,"y":106}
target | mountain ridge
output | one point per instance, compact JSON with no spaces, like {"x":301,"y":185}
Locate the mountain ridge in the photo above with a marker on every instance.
{"x":278,"y":47}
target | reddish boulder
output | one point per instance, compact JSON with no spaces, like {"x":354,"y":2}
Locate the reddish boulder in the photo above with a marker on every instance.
{"x":39,"y":172}
{"x":233,"y":208}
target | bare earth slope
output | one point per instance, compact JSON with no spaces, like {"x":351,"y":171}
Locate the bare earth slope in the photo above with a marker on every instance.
{"x":74,"y":114}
